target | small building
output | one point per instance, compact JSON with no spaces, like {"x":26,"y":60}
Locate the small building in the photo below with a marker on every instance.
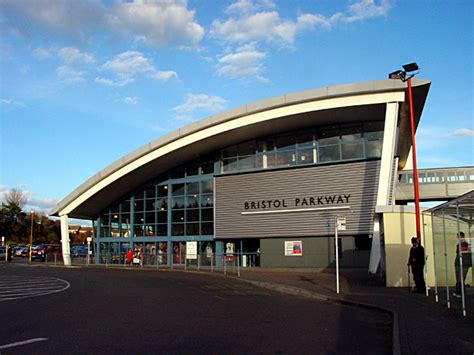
{"x":266,"y":180}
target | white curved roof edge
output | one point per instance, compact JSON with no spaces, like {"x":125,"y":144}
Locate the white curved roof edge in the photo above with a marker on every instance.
{"x":343,"y":90}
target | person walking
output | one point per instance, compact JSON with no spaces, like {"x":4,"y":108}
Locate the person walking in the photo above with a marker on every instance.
{"x":129,"y":257}
{"x":416,"y":261}
{"x":463,"y":253}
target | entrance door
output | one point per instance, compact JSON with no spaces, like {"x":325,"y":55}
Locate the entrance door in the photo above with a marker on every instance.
{"x":179,"y":253}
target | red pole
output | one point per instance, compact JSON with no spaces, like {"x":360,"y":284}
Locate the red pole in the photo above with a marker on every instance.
{"x":415,"y":172}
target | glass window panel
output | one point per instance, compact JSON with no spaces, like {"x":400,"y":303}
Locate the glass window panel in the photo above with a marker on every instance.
{"x":192,"y":228}
{"x":371,"y":136}
{"x":305,"y":139}
{"x":329,"y":153}
{"x":161,"y":204}
{"x":246,"y":163}
{"x":150,"y":230}
{"x":150,"y":192}
{"x":259,"y":161}
{"x":229,"y":164}
{"x":192,"y":201}
{"x":272,"y":159}
{"x":230,"y":152}
{"x":150,"y":217}
{"x":192,"y":170}
{"x":177,"y":229}
{"x":351,"y":133}
{"x":150,"y":205}
{"x":285,"y":142}
{"x":139,"y":195}
{"x":115,"y":208}
{"x":139,"y":218}
{"x":207,"y":228}
{"x":207,"y":214}
{"x":207,"y":168}
{"x":114,"y":231}
{"x":104,"y":232}
{"x":139,"y":205}
{"x":352,"y":151}
{"x":177,"y":203}
{"x":373,"y":149}
{"x":162,"y":191}
{"x":247,"y":148}
{"x":104,"y":219}
{"x":162,"y":230}
{"x":207,"y":186}
{"x":178,"y":189}
{"x":177,"y":216}
{"x":192,"y":215}
{"x":192,"y":188}
{"x":125,"y":206}
{"x":178,"y":172}
{"x":138,"y":231}
{"x":207,"y":200}
{"x":305,"y":156}
{"x":328,"y":135}
{"x":286,"y":158}
{"x":162,"y":216}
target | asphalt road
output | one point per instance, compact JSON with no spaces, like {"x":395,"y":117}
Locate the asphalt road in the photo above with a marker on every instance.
{"x":106,"y":311}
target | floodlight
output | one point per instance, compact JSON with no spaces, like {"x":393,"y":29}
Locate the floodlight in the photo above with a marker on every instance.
{"x":398,"y":74}
{"x":410,"y":67}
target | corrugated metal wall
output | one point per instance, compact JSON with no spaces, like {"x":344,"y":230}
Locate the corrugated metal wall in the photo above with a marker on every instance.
{"x":291,"y":216}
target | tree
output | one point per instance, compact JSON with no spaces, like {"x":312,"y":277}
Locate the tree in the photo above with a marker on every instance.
{"x":12,"y":219}
{"x":16,"y":197}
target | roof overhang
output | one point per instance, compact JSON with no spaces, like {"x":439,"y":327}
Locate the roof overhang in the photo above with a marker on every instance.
{"x":330,"y":105}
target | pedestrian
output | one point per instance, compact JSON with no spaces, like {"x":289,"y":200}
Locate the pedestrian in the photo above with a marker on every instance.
{"x":416,"y":261}
{"x":9,"y":253}
{"x":129,"y":257}
{"x":464,"y":254}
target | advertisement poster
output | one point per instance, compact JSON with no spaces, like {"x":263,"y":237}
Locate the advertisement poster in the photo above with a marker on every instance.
{"x":294,"y":248}
{"x":191,"y":250}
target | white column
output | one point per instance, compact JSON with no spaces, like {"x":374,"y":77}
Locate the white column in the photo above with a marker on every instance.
{"x":65,"y":239}
{"x":385,"y":178}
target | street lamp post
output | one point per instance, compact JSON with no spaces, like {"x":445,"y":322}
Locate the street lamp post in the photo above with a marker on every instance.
{"x":32,"y":214}
{"x":411,"y":69}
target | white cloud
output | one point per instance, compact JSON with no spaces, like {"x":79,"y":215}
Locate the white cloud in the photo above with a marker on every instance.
{"x":131,"y":100}
{"x":251,"y":22}
{"x":462,"y":132}
{"x":127,"y":65}
{"x":70,"y":75}
{"x":12,"y":103}
{"x":246,"y":62}
{"x":158,"y":23}
{"x":72,"y":55}
{"x":201,"y":102}
{"x":42,"y":53}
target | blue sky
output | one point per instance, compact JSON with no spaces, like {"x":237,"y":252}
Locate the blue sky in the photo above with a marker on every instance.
{"x":85,"y":82}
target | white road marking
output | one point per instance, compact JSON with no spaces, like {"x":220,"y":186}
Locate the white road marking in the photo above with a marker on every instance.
{"x":16,"y":287}
{"x":20,"y":343}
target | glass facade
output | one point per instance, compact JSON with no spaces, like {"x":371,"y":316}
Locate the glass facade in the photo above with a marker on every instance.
{"x":158,"y":218}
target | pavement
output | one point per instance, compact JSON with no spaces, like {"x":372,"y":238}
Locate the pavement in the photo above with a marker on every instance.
{"x":420,"y":324}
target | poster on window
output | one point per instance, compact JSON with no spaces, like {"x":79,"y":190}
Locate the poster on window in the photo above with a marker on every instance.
{"x":294,"y":248}
{"x":191,"y":250}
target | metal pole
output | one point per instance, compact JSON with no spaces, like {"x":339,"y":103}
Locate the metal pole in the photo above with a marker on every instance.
{"x":337,"y":255}
{"x":446,"y":262}
{"x":434,"y":257}
{"x":32,"y":214}
{"x":238,"y":266}
{"x":225,"y":265}
{"x":426,"y":257}
{"x":212,"y":262}
{"x":461,"y":278}
{"x":415,"y":172}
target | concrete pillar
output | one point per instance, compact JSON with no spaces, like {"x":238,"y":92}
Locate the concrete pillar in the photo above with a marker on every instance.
{"x":65,"y":239}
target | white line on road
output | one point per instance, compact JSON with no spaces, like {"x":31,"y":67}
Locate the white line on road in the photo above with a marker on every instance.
{"x":20,"y":343}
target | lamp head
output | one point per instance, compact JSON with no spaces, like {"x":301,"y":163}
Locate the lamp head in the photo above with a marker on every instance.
{"x":410,"y":67}
{"x":398,"y":74}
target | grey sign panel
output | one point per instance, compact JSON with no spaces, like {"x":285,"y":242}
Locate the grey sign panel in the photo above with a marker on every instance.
{"x":296,"y":202}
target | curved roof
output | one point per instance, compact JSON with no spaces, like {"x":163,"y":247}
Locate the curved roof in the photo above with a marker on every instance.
{"x":329,"y":105}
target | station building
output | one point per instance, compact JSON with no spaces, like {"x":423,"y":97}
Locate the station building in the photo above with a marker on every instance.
{"x":267,"y":180}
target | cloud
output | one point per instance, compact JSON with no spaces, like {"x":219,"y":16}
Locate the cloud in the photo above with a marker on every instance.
{"x":462,"y":132}
{"x":42,"y":204}
{"x":157,"y":23}
{"x":72,"y":55}
{"x":70,"y":75}
{"x":244,"y":63}
{"x":131,"y":100}
{"x":71,"y":19}
{"x":128,"y":65}
{"x":250,"y":21}
{"x":11,"y":103}
{"x":42,"y":53}
{"x":201,"y":102}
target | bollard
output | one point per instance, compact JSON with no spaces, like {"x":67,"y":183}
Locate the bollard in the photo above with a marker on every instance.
{"x":238,"y":266}
{"x":212,"y":262}
{"x":225,"y":266}
{"x":55,"y":258}
{"x":199,"y":262}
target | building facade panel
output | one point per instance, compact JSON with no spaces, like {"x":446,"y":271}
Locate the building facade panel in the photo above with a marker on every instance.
{"x":296,"y":202}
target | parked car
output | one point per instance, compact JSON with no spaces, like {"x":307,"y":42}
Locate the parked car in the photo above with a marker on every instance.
{"x":38,"y":252}
{"x":22,"y":251}
{"x":2,"y":253}
{"x":80,"y":250}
